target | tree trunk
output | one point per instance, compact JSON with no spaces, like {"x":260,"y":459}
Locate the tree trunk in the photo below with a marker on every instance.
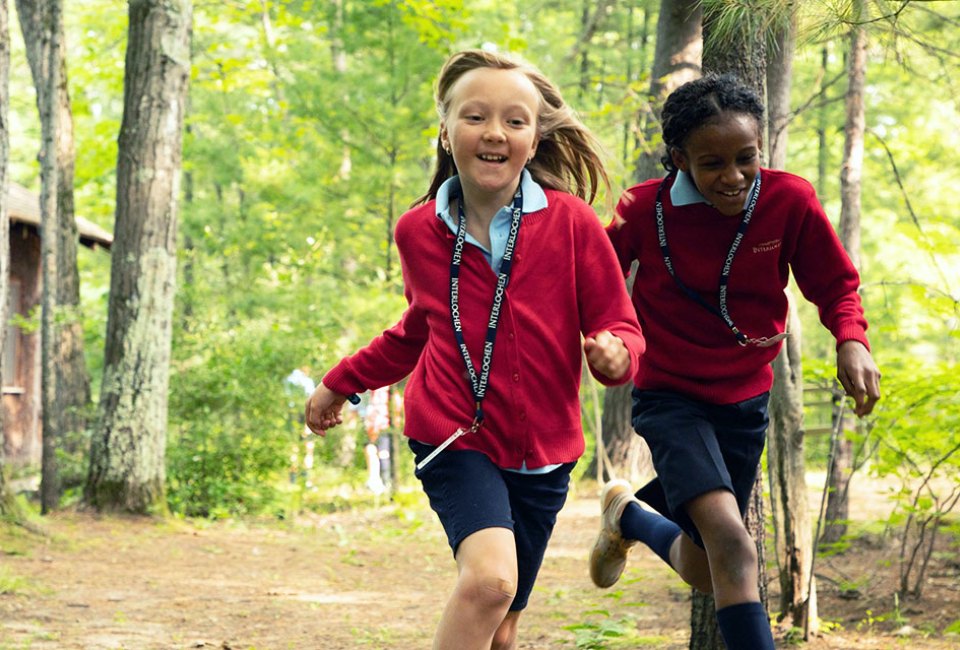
{"x":584,"y":85}
{"x":42,"y":31}
{"x":631,"y":64}
{"x":676,"y":61}
{"x":837,"y":512}
{"x":741,"y":51}
{"x":65,"y":417}
{"x":823,"y":123}
{"x":788,"y":488}
{"x":127,"y":455}
{"x":704,"y":633}
{"x":50,"y":258}
{"x":851,"y":173}
{"x":785,"y":450}
{"x":190,"y":253}
{"x":779,"y":83}
{"x":7,"y":507}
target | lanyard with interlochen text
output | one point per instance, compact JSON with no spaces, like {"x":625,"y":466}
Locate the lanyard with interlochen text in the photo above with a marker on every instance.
{"x":723,"y":312}
{"x":478,"y":383}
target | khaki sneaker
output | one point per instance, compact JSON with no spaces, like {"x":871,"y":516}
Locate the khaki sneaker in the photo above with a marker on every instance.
{"x":609,"y":554}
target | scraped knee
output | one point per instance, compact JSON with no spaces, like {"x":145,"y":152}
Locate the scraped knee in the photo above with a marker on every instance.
{"x":491,"y":591}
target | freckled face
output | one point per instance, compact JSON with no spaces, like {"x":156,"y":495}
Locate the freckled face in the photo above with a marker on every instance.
{"x":723,"y":159}
{"x":491,"y":130}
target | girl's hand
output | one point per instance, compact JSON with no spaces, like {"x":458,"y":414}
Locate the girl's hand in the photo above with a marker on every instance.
{"x":607,"y":355}
{"x":323,"y":410}
{"x":859,"y":376}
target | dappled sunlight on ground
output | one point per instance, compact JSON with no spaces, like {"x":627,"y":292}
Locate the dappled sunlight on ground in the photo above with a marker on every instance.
{"x":377,"y":578}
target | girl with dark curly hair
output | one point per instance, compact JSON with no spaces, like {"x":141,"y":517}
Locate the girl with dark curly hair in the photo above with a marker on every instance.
{"x":715,"y":242}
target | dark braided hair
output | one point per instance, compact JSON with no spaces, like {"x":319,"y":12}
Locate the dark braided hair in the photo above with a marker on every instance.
{"x":696,"y":103}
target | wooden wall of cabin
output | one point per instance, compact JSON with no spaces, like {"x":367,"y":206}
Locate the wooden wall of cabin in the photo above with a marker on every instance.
{"x":21,"y":387}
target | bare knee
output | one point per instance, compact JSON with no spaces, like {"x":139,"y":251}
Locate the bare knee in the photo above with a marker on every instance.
{"x":487,"y":591}
{"x":733,"y":555}
{"x":731,"y":551}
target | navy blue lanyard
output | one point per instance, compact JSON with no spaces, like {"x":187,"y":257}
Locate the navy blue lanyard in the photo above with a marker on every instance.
{"x":478,"y":383}
{"x":723,"y":312}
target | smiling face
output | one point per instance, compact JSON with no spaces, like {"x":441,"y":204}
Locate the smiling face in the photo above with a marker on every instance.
{"x":491,"y":130}
{"x":723,"y":159}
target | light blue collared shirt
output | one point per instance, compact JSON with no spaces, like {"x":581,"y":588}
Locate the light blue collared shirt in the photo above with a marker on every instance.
{"x":685,"y":192}
{"x":534,"y":199}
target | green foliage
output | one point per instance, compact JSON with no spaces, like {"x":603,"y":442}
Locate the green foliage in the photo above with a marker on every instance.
{"x":608,"y":634}
{"x":310,"y":132}
{"x":229,"y":435}
{"x":11,"y":584}
{"x":916,"y":443}
{"x":910,"y":261}
{"x":96,"y":43}
{"x":763,"y":16}
{"x":794,"y":637}
{"x":73,"y":457}
{"x":917,"y":421}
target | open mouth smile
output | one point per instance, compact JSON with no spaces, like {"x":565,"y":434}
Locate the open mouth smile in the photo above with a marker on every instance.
{"x":730,"y":193}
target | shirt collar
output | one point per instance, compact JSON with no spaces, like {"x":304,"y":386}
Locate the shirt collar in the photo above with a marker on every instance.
{"x":685,"y":192}
{"x":534,"y":198}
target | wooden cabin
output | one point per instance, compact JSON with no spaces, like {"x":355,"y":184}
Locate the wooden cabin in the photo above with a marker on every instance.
{"x":21,"y":354}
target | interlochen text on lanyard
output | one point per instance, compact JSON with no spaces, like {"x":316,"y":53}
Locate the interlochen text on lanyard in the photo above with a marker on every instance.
{"x":723,"y":312}
{"x":478,"y":383}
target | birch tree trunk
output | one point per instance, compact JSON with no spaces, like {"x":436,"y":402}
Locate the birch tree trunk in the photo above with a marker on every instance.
{"x":65,"y":416}
{"x":676,"y":61}
{"x":127,"y":455}
{"x":851,"y":173}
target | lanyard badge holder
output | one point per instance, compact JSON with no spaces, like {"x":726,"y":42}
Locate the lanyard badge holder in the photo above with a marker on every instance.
{"x":478,"y":383}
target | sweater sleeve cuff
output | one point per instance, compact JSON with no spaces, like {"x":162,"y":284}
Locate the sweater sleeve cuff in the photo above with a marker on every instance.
{"x":341,"y":379}
{"x":636,"y":345}
{"x":851,"y":332}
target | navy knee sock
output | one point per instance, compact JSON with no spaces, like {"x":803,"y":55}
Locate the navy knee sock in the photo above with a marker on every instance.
{"x":654,"y":530}
{"x":745,"y":626}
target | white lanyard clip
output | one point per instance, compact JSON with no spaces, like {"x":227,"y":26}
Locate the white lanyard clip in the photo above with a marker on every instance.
{"x":449,"y":441}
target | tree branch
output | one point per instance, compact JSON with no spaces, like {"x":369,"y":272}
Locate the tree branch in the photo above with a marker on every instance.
{"x":913,"y":215}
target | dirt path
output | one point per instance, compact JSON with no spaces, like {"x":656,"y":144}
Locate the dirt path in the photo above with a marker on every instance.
{"x":364,"y":579}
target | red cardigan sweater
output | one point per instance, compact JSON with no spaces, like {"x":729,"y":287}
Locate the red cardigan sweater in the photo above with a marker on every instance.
{"x":564,"y":282}
{"x":691,"y":351}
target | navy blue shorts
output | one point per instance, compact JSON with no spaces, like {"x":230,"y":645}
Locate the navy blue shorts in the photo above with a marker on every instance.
{"x":469,"y":493}
{"x":698,"y":447}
